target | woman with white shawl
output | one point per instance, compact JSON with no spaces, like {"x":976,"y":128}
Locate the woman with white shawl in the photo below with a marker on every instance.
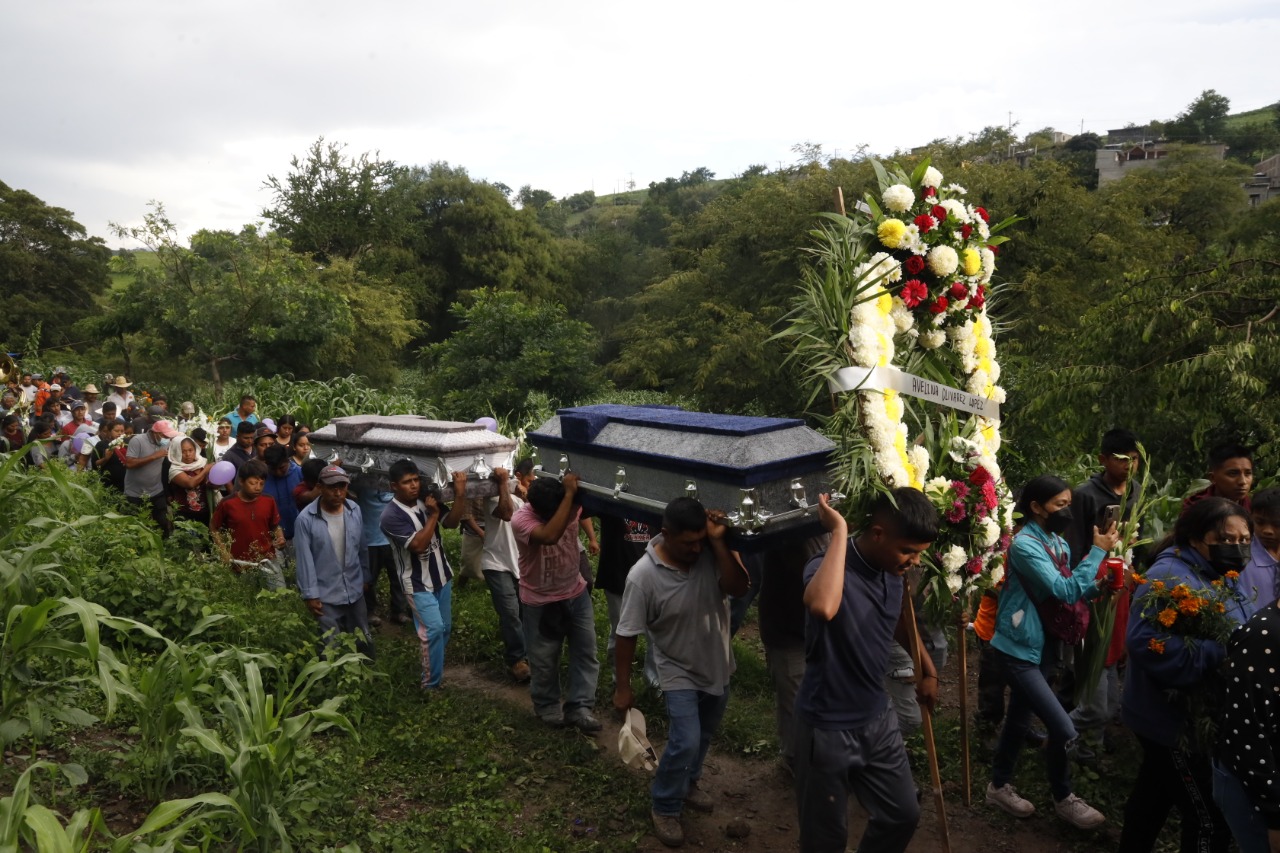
{"x":188,"y":473}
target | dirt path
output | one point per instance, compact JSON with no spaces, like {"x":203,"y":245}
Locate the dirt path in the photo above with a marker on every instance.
{"x":761,"y":795}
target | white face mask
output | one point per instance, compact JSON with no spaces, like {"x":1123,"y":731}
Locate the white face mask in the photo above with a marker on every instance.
{"x":164,"y":442}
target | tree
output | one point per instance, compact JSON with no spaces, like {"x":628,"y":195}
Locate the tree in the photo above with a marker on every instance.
{"x":51,"y":272}
{"x":1204,"y":119}
{"x":242,"y":298}
{"x":506,"y":348}
{"x":332,"y":206}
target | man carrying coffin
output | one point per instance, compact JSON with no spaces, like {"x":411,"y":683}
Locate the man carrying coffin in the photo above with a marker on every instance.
{"x":678,"y":593}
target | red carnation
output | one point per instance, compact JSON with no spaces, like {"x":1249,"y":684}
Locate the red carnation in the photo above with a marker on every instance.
{"x":914,"y":265}
{"x":980,"y":476}
{"x":989,"y":494}
{"x":965,"y":231}
{"x":959,"y":290}
{"x":938,"y":305}
{"x":930,"y":192}
{"x":914,"y":292}
{"x":938,"y":212}
{"x":995,"y":250}
{"x":974,"y":566}
{"x":978,"y":299}
{"x":982,"y":211}
{"x":925,"y":223}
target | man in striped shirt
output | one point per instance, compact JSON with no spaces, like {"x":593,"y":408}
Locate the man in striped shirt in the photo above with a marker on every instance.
{"x":411,"y":522}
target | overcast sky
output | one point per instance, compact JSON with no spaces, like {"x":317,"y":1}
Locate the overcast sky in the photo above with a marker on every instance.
{"x":107,"y":105}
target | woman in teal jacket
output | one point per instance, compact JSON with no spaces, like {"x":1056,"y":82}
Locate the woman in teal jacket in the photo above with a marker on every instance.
{"x":1038,"y":570}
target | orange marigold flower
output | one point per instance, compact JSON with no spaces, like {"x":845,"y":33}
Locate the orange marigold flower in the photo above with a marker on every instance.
{"x":1137,"y":578}
{"x":1157,"y":586}
{"x":1191,"y":605}
{"x":1233,"y":574}
{"x":1180,"y":591}
{"x":1168,"y":616}
{"x":1222,"y":608}
{"x":1156,"y":646}
{"x":1217,"y":583}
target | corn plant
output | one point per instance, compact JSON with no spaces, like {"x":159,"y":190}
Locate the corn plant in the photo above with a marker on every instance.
{"x":186,"y":670}
{"x":25,"y":825}
{"x":261,"y":739}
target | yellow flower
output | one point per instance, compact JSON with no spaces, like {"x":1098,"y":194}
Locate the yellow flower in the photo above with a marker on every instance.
{"x":972,"y":261}
{"x":892,"y":405}
{"x":1167,"y":617}
{"x":982,"y":347}
{"x":891,"y":232}
{"x":884,"y":303}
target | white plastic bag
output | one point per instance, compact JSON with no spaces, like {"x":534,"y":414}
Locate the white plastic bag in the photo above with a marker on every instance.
{"x":633,"y":743}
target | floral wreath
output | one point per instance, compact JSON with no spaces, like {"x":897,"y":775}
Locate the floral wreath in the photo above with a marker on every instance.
{"x":905,"y":283}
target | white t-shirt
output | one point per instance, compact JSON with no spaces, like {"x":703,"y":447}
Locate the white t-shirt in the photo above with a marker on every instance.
{"x":337,"y":533}
{"x":500,"y":554}
{"x":122,"y":399}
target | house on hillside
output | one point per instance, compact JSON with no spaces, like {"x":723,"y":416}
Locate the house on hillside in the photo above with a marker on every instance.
{"x":1131,"y":135}
{"x":1265,"y":183}
{"x":1117,"y":160}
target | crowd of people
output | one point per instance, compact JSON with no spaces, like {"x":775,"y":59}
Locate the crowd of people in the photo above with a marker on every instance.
{"x":850,"y":668}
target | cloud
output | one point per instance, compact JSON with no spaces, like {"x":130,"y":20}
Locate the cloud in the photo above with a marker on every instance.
{"x":195,"y":103}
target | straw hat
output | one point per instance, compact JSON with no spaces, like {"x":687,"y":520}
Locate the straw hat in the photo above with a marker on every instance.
{"x":91,"y":388}
{"x":120,"y":382}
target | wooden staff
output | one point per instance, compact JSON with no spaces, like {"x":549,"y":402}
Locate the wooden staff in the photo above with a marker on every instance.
{"x":840,"y":200}
{"x":926,"y":721}
{"x":962,"y":633}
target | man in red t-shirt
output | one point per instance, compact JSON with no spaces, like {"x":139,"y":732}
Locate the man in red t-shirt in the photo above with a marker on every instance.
{"x":246,"y":526}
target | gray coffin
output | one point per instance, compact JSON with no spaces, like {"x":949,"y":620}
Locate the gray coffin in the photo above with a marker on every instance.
{"x":766,"y":473}
{"x":367,"y":445}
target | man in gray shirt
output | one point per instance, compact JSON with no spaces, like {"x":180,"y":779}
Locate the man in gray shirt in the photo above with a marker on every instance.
{"x":677,"y":593}
{"x":144,"y":464}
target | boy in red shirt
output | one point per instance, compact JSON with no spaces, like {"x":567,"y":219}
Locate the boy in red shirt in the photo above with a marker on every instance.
{"x":246,"y":526}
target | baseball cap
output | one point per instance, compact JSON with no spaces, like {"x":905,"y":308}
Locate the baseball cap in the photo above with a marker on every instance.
{"x":332,"y":475}
{"x":165,"y":429}
{"x":55,"y":387}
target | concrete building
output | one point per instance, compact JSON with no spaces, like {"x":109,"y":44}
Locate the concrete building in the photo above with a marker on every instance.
{"x":1116,"y":161}
{"x":1265,"y":183}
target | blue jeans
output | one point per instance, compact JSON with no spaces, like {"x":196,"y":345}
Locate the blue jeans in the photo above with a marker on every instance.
{"x":1030,"y":693}
{"x":544,"y":659}
{"x":1246,"y":824}
{"x":433,"y":620}
{"x":506,"y":603}
{"x":693,"y":717}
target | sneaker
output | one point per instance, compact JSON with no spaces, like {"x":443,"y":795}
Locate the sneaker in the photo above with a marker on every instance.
{"x":555,"y":720}
{"x":520,"y":671}
{"x":1006,"y":798}
{"x":1078,"y":813}
{"x":583,"y":721}
{"x":668,"y":829}
{"x":698,"y":799}
{"x":1082,"y":754}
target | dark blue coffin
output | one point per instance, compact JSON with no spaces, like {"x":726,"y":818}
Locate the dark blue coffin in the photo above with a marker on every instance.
{"x":766,"y":473}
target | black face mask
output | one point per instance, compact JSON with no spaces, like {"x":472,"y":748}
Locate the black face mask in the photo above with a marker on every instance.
{"x":1228,"y":558}
{"x":1058,"y":521}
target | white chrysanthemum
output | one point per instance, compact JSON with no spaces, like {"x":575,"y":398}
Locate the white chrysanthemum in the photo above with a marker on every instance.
{"x":903,"y":319}
{"x":997,"y":574}
{"x":978,"y":382}
{"x":999,"y":395}
{"x":988,"y":264}
{"x":983,"y":231}
{"x":956,"y":211}
{"x":919,"y":457}
{"x":898,"y":198}
{"x":911,"y":241}
{"x":955,"y":583}
{"x":988,"y":532}
{"x":954,"y":559}
{"x":932,"y":178}
{"x":943,"y":260}
{"x":933,"y":338}
{"x":883,"y":268}
{"x":936,"y":486}
{"x":864,"y":345}
{"x":955,"y":189}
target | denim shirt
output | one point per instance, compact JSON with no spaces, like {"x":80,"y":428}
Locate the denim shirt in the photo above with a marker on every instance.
{"x":319,"y":575}
{"x":1259,"y":583}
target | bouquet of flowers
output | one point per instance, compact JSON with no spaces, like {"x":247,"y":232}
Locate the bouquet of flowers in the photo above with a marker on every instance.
{"x":907,"y":284}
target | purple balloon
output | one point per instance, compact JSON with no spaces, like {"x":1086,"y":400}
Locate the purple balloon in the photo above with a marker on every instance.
{"x":488,"y":423}
{"x":222,"y":473}
{"x":77,"y":444}
{"x":269,"y":424}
